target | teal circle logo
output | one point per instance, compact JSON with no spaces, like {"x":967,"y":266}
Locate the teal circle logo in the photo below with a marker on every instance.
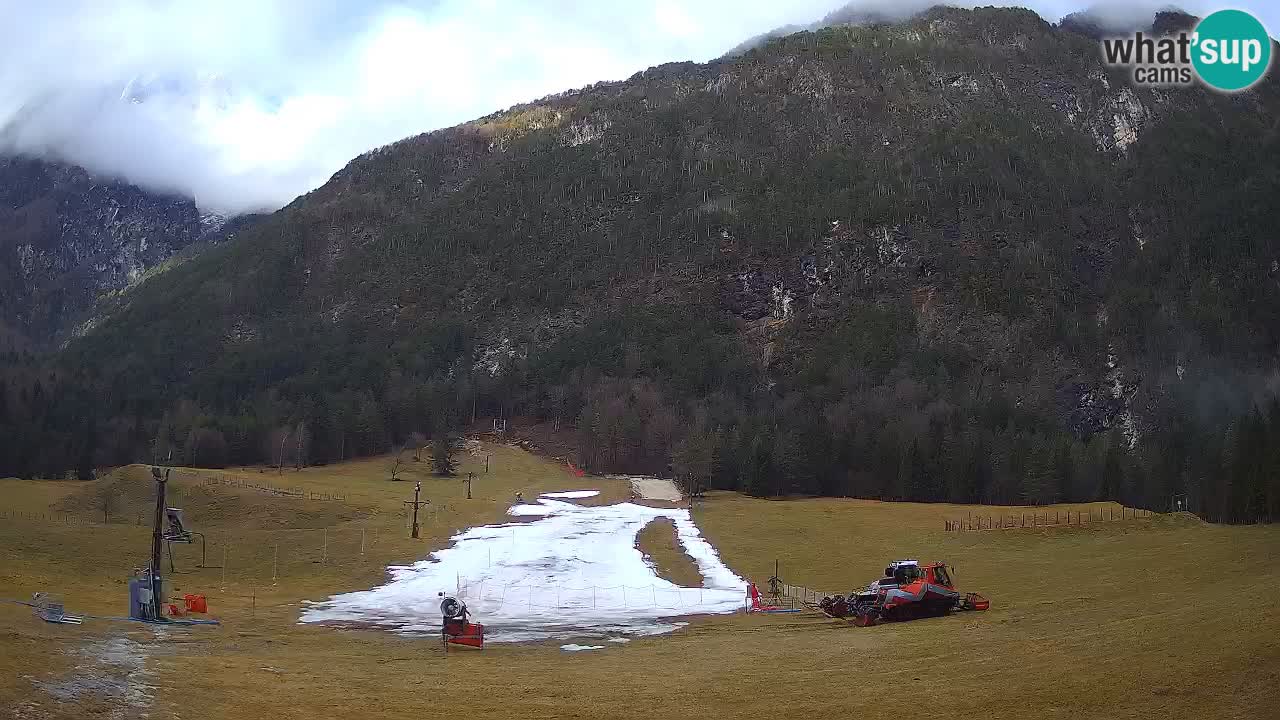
{"x":1231,"y":50}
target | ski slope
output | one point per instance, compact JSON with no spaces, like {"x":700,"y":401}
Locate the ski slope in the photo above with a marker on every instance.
{"x":570,"y":572}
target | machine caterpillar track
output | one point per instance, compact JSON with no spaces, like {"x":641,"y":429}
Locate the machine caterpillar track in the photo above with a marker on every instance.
{"x":907,"y":591}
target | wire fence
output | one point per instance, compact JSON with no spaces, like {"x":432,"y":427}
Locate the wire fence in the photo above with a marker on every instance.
{"x":47,"y":517}
{"x":269,"y":489}
{"x":493,"y":596}
{"x":801,"y":596}
{"x":246,"y":555}
{"x":1057,"y":518}
{"x":119,"y":516}
{"x":223,"y":559}
{"x":244,"y":569}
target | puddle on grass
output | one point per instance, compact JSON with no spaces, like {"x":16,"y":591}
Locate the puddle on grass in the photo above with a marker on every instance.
{"x":109,"y":669}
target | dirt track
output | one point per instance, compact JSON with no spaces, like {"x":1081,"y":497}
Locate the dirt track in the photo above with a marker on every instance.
{"x":649,"y":488}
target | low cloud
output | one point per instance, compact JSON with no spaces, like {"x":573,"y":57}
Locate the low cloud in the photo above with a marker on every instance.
{"x":245,"y":104}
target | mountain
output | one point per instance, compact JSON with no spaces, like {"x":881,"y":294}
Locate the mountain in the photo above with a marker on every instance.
{"x":67,"y":237}
{"x":954,"y":258}
{"x":854,"y":13}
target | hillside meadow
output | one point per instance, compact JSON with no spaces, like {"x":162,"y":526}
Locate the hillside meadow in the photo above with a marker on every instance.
{"x":1158,"y":617}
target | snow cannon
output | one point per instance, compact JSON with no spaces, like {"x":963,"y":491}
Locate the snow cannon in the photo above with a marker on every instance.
{"x":455,"y":629}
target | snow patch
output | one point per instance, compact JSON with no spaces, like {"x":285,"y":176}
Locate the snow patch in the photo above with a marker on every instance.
{"x":573,"y":647}
{"x":571,"y":494}
{"x":574,"y":572}
{"x":529,"y":510}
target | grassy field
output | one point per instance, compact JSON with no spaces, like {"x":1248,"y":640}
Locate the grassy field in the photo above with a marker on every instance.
{"x":1140,"y":618}
{"x":662,"y":549}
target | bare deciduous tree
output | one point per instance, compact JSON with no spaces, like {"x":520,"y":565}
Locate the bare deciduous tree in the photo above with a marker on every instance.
{"x":417,"y":441}
{"x":108,"y":500}
{"x":397,"y":464}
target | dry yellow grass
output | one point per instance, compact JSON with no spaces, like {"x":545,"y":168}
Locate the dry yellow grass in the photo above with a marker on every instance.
{"x":1162,"y":618}
{"x":659,"y":543}
{"x":35,"y":496}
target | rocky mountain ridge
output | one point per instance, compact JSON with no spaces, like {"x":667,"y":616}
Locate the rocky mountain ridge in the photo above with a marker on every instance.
{"x":68,"y":237}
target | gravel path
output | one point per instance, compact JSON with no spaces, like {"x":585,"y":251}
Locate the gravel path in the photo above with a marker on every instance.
{"x":650,"y":488}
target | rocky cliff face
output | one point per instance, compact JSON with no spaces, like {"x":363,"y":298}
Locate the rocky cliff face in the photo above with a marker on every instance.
{"x":66,"y":237}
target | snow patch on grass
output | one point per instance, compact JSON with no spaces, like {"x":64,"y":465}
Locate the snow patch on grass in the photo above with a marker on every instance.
{"x":573,"y":572}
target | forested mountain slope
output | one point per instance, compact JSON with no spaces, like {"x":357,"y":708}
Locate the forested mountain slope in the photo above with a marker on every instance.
{"x":948,"y":259}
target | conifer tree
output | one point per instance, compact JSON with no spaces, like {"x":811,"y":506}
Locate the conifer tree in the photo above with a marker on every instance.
{"x":442,"y":456}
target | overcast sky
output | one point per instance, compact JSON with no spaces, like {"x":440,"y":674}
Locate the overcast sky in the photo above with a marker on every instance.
{"x":245,"y":104}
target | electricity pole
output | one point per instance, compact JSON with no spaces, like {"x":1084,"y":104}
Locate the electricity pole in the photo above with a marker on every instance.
{"x":280,"y":462}
{"x":157,"y":540}
{"x":298,"y":458}
{"x":417,"y":488}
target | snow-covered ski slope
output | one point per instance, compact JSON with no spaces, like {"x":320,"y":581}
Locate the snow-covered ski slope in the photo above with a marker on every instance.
{"x":572,"y":572}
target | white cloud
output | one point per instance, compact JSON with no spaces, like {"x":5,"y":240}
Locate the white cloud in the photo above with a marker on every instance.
{"x":245,"y":104}
{"x":673,"y":20}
